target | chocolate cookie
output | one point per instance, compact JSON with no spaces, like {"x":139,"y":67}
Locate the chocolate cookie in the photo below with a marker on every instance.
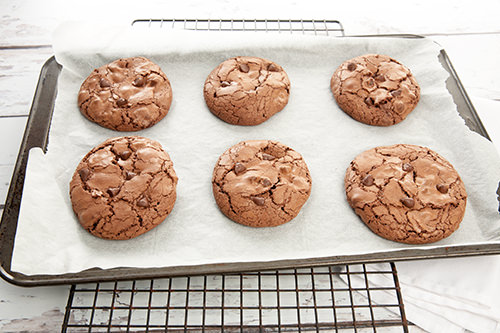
{"x":405,"y":193}
{"x":126,"y":95}
{"x":375,"y":89}
{"x":246,"y":90}
{"x":261,"y":183}
{"x":123,"y":188}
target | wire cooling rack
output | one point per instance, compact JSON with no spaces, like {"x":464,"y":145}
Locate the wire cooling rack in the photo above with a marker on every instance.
{"x":332,"y":298}
{"x":315,"y":27}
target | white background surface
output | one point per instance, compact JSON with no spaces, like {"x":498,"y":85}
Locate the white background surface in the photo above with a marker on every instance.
{"x":468,"y":30}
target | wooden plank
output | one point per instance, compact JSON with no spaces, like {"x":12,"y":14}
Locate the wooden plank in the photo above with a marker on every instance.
{"x":31,"y":22}
{"x":11,"y":133}
{"x":32,"y":309}
{"x":48,"y":321}
{"x":19,"y":71}
{"x":473,"y":57}
{"x":19,"y":31}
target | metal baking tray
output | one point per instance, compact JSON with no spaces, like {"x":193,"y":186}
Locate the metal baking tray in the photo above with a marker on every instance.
{"x":36,"y":135}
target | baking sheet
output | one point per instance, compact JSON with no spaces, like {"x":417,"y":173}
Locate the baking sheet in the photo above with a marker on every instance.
{"x":49,"y":239}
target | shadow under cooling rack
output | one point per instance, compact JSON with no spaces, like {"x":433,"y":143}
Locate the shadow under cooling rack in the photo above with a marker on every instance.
{"x":338,"y":298}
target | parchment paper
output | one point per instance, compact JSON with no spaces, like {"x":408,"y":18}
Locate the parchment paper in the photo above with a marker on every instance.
{"x":49,"y":239}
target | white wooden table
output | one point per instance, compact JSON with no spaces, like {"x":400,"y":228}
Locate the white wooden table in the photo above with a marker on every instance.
{"x":468,"y":30}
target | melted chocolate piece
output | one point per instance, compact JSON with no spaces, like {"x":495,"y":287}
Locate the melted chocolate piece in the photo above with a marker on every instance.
{"x":396,"y":93}
{"x":351,"y":66}
{"x":244,"y":68}
{"x":258,"y":201}
{"x":129,"y":175}
{"x":408,"y":202}
{"x":104,"y":83}
{"x":143,"y":202}
{"x":112,"y":191}
{"x":266,"y":182}
{"x":407,"y":167}
{"x":239,"y":168}
{"x":84,"y":174}
{"x":368,"y":180}
{"x":124,"y":155}
{"x":139,"y":81}
{"x":443,"y":188}
{"x":273,"y":68}
{"x":267,"y":157}
{"x":121,"y":102}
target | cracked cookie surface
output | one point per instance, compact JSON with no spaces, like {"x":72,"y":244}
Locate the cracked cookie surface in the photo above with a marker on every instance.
{"x":261,"y":183}
{"x":246,"y":90}
{"x":127,"y":94}
{"x":406,"y":193}
{"x":123,"y":188}
{"x":375,"y":89}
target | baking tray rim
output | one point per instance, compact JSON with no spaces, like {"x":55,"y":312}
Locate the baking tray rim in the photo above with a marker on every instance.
{"x":36,"y":135}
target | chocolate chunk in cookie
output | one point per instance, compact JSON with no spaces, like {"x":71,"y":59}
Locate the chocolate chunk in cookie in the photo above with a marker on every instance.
{"x":246,"y":90}
{"x":126,"y":95}
{"x":375,"y":89}
{"x":123,"y":188}
{"x":413,"y":196}
{"x":252,"y":189}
